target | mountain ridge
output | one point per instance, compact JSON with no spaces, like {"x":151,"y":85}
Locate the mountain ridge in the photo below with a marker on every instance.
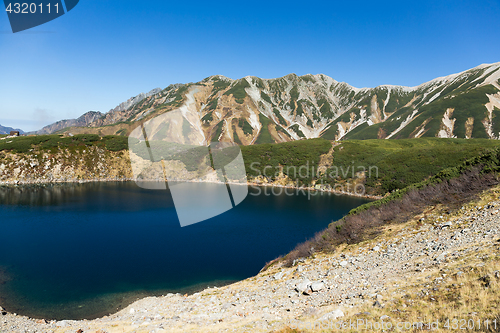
{"x":81,"y":121}
{"x":7,"y":130}
{"x":252,"y":110}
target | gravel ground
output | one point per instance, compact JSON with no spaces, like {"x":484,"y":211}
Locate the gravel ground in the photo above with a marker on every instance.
{"x":326,"y":286}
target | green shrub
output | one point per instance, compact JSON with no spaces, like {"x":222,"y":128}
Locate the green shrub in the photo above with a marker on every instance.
{"x":238,"y":91}
{"x":115,"y":143}
{"x":24,"y":144}
{"x":267,"y":159}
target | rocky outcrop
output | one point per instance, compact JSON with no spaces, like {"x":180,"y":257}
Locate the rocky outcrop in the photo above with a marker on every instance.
{"x":81,"y":164}
{"x":119,"y":113}
{"x":134,"y":100}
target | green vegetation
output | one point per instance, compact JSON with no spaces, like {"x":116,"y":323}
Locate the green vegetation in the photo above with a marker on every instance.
{"x":179,"y":95}
{"x":212,"y":105}
{"x":466,"y":105}
{"x":218,"y":131}
{"x":496,"y":122}
{"x":400,"y":163}
{"x":488,"y":162}
{"x":115,"y":143}
{"x":294,"y":95}
{"x":325,"y":108}
{"x":300,"y":106}
{"x":264,"y":135}
{"x":236,"y":138}
{"x":296,"y":129}
{"x":281,"y":120}
{"x":121,"y":132}
{"x":258,"y":82}
{"x":238,"y":91}
{"x":24,"y":144}
{"x":465,"y":102}
{"x":207,"y":118}
{"x":364,"y":132}
{"x":308,"y":78}
{"x":265,"y":97}
{"x":381,"y":94}
{"x":389,"y":165}
{"x":245,"y":126}
{"x":450,"y":188}
{"x":221,"y":84}
{"x":288,"y":155}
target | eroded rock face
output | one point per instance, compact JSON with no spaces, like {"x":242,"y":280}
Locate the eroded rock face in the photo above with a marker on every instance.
{"x":88,"y":164}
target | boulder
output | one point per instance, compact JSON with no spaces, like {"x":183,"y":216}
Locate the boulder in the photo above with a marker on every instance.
{"x":303,"y":286}
{"x":317,"y":286}
{"x":332,"y":315}
{"x":308,"y":291}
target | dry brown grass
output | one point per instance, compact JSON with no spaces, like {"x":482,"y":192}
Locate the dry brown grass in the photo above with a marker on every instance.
{"x":465,"y":300}
{"x":462,"y":293}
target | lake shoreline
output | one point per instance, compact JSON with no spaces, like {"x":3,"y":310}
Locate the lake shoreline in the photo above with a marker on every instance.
{"x":298,"y":189}
{"x":298,"y":215}
{"x":280,"y":298}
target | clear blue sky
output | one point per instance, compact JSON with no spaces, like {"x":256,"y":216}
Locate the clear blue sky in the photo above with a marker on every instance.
{"x":103,"y":52}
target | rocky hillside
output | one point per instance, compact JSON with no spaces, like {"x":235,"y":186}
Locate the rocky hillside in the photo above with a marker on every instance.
{"x":253,"y":110}
{"x":87,"y":163}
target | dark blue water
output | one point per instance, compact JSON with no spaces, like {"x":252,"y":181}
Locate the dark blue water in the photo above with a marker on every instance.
{"x":86,"y":250}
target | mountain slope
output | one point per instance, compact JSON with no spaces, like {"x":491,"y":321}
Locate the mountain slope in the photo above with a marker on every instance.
{"x":7,"y":130}
{"x":253,"y":110}
{"x":82,"y":121}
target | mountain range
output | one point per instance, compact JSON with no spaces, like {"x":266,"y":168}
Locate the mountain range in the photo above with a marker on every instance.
{"x":252,"y":110}
{"x":82,"y":121}
{"x":7,"y":130}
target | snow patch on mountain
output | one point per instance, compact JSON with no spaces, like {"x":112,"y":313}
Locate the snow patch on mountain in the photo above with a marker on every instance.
{"x":403,"y":124}
{"x":447,"y":125}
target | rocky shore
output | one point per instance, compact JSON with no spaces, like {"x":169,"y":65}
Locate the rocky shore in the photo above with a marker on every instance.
{"x":327,"y":287}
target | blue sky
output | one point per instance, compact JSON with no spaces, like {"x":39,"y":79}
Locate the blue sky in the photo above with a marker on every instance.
{"x":103,"y":52}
